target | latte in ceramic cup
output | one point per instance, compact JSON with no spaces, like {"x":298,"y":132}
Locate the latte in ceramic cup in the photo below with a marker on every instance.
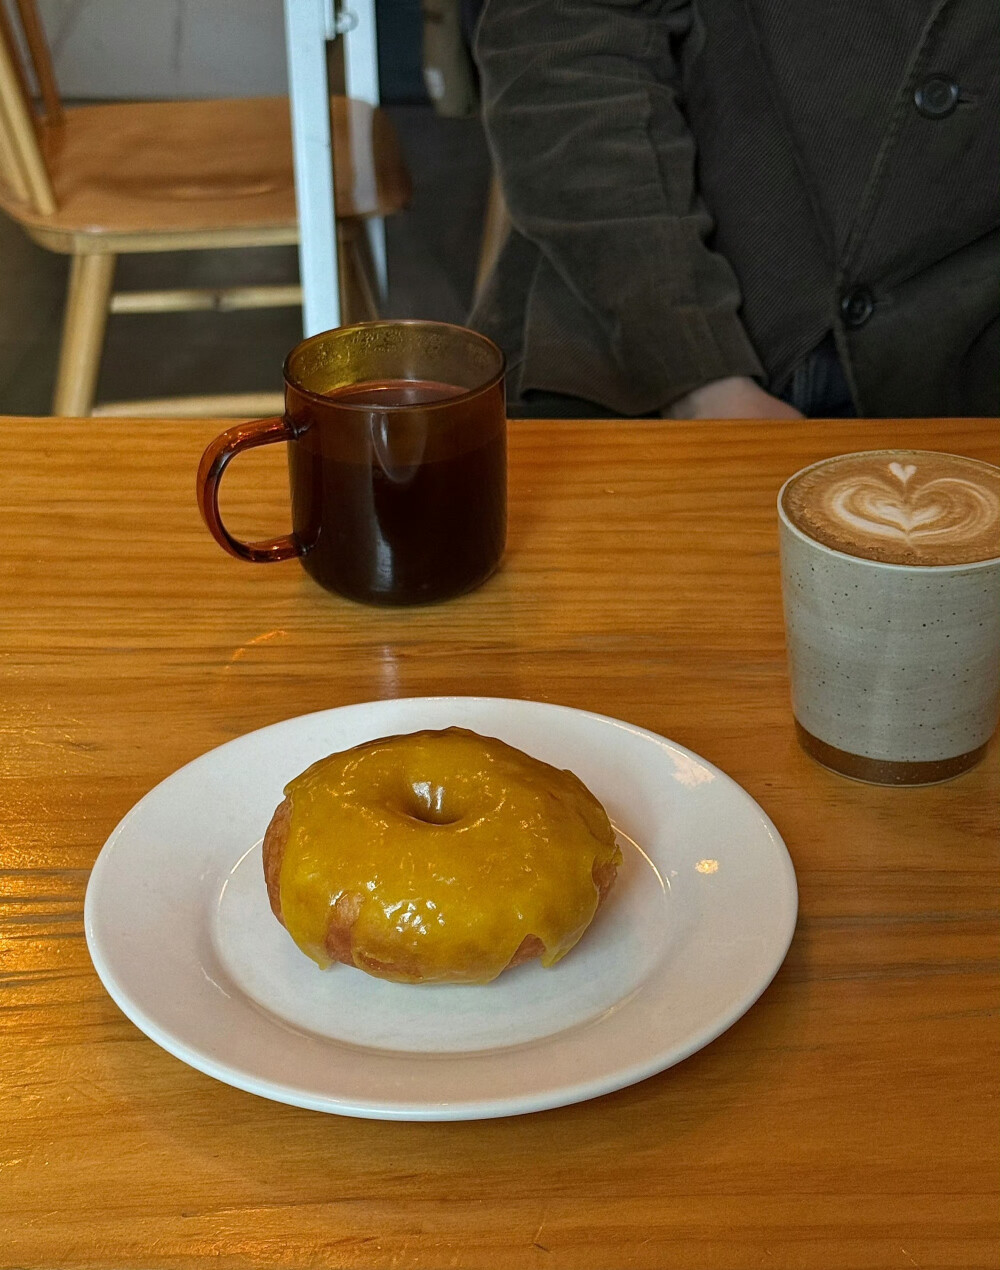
{"x":890,"y":566}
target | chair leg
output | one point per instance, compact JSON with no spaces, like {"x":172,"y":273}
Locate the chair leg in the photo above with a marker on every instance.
{"x":87,"y":303}
{"x":358,"y":300}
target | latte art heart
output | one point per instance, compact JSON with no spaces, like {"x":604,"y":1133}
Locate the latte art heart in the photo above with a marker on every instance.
{"x":919,"y":507}
{"x":943,"y":509}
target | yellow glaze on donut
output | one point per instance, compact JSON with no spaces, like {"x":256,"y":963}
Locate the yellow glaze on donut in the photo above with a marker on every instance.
{"x":459,"y":845}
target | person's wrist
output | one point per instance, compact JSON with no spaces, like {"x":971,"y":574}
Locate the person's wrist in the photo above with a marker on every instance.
{"x":715,"y":391}
{"x":732,"y":397}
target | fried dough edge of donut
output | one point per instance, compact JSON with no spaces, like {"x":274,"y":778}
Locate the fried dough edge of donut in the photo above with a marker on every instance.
{"x":345,"y":911}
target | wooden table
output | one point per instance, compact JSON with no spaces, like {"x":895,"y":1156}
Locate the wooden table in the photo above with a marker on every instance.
{"x":848,"y":1121}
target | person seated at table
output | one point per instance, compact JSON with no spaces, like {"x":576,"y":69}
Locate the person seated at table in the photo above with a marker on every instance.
{"x":745,"y":210}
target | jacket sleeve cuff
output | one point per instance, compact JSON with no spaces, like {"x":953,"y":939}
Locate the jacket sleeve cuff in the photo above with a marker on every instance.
{"x":640,"y":358}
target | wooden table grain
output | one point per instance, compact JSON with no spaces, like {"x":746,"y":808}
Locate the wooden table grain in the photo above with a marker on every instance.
{"x":847,"y":1122}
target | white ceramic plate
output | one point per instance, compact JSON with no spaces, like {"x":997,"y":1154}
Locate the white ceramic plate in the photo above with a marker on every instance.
{"x":700,"y":919}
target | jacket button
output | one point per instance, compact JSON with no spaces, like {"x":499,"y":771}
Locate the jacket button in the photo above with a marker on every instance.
{"x":936,"y":97}
{"x":856,"y":306}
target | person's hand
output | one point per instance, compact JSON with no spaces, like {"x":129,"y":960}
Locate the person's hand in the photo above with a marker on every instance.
{"x":733,"y":398}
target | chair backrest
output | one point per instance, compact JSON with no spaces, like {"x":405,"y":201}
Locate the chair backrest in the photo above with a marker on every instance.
{"x":22,"y":163}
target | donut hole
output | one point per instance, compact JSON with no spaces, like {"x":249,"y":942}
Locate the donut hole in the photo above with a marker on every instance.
{"x":432,"y":804}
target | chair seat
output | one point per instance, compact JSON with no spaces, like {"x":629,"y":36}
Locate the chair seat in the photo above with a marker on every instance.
{"x":204,"y":167}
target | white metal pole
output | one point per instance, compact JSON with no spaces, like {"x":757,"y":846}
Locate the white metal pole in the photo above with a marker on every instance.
{"x":309,"y":96}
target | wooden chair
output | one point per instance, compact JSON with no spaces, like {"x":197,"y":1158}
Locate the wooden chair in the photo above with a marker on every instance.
{"x":96,"y":182}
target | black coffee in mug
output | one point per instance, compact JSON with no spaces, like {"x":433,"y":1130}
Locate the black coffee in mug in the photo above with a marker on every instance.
{"x":397,"y":462}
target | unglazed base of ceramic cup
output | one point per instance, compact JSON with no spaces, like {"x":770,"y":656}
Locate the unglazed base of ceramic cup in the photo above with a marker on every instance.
{"x":876,"y":771}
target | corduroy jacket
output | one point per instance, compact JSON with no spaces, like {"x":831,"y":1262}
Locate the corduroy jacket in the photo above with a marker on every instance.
{"x":704,"y":188}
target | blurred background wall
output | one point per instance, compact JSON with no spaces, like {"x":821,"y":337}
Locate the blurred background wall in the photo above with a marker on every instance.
{"x":166,"y":48}
{"x":204,"y":48}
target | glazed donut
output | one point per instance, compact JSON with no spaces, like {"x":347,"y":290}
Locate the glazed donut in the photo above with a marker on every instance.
{"x":437,"y":857}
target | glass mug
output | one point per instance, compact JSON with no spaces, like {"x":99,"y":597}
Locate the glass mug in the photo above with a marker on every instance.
{"x":397,"y":462}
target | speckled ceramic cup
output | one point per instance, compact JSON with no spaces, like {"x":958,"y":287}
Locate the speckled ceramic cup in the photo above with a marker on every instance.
{"x":894,"y":667}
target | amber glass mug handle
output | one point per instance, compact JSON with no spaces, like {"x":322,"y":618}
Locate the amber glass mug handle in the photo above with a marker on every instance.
{"x":242,"y":436}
